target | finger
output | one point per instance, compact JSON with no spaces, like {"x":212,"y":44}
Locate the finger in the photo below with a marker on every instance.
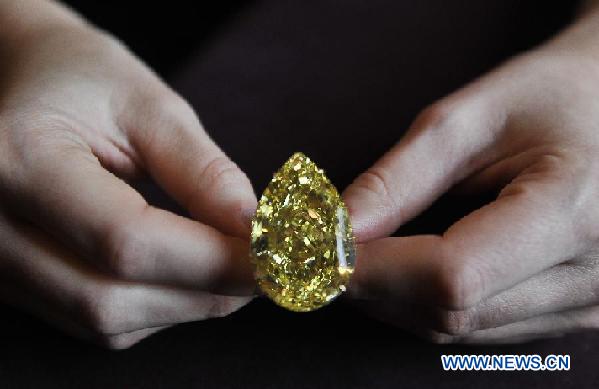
{"x":81,"y":331}
{"x":129,"y":339}
{"x":99,"y":215}
{"x":48,"y":281}
{"x":404,"y":315}
{"x":183,"y":159}
{"x":549,"y":325}
{"x":560,"y":288}
{"x":443,"y":146}
{"x":501,"y":173}
{"x":76,"y":328}
{"x":397,"y":269}
{"x":533,"y":225}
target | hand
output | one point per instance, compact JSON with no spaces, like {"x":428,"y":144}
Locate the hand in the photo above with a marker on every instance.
{"x":525,"y":265}
{"x":78,"y":246}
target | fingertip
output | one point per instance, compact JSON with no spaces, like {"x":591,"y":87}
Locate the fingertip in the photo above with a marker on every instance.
{"x":237,"y":303}
{"x":238,"y":278}
{"x":365,"y":217}
{"x":362,"y":225}
{"x":229,"y":208}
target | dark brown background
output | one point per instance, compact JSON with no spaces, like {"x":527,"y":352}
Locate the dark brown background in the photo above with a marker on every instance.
{"x":339,"y":80}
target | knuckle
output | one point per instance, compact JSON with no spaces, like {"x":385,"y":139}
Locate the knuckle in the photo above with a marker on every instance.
{"x":219,"y":173}
{"x":439,"y":338}
{"x":114,"y":343}
{"x":225,"y":305}
{"x":176,"y":112}
{"x":460,"y":282}
{"x":100,"y":311}
{"x":118,"y":342}
{"x":551,"y":161}
{"x":126,"y":252}
{"x":586,"y":319}
{"x":441,"y":115}
{"x":457,"y":322}
{"x":169,"y":115}
{"x":376,"y":183}
{"x":530,"y":192}
{"x":219,"y":307}
{"x":432,"y":116}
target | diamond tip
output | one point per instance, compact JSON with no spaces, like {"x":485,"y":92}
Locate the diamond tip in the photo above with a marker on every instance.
{"x":300,"y":157}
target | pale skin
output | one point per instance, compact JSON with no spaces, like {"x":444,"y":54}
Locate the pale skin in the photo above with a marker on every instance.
{"x":80,"y":248}
{"x":527,"y":264}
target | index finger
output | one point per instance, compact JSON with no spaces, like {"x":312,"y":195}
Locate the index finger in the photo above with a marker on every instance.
{"x":529,"y":228}
{"x":183,"y":159}
{"x":70,"y":195}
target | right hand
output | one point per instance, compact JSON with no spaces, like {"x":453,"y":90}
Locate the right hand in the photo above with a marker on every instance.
{"x":78,"y":246}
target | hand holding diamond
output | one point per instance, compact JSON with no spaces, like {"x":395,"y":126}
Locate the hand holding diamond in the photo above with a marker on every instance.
{"x":79,"y":246}
{"x":523,"y":266}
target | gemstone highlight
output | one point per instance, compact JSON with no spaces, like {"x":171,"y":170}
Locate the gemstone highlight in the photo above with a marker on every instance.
{"x":302,"y":243}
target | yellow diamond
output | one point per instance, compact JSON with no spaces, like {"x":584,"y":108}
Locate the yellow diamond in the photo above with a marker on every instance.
{"x":302,"y":243}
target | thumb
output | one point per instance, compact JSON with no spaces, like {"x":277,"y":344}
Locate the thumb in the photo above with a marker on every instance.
{"x":444,"y":145}
{"x":181,"y":157}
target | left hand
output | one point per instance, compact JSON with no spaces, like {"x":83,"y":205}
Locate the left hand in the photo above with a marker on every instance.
{"x":80,"y":247}
{"x":525,"y":265}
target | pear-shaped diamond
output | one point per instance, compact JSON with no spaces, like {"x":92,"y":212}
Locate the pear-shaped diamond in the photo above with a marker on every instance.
{"x":302,"y":242}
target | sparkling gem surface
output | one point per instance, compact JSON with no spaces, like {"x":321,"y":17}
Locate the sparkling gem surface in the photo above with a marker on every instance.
{"x":302,"y":244}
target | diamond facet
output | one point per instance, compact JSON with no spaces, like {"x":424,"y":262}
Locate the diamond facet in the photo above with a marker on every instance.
{"x":302,"y":243}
